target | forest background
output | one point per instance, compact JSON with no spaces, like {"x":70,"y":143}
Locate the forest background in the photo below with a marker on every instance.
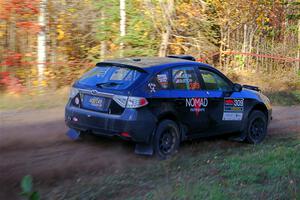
{"x":46,"y":44}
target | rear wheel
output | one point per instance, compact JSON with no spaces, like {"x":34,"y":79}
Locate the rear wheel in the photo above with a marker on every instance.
{"x":77,"y":135}
{"x":166,"y":139}
{"x":257,"y":127}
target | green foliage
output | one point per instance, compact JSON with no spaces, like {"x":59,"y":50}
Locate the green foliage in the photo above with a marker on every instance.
{"x":237,"y":167}
{"x":26,"y":184}
{"x":295,"y":7}
{"x":107,"y":24}
{"x":27,"y":189}
{"x":140,"y":38}
{"x":240,"y":60}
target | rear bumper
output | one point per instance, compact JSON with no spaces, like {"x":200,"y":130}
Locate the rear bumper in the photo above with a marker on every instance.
{"x":139,"y":123}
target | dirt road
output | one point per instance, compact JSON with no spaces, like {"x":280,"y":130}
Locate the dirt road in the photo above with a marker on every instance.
{"x":34,"y":142}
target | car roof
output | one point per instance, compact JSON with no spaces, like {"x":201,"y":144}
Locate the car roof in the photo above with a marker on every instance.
{"x":150,"y":62}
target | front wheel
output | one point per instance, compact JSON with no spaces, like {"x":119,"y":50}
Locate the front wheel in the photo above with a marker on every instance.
{"x":166,"y":139}
{"x":257,"y":127}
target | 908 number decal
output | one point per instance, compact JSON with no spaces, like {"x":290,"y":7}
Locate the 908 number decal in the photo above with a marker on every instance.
{"x":239,"y":102}
{"x":233,"y":109}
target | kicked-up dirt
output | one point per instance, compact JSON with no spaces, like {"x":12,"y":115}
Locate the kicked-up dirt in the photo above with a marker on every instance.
{"x":34,"y":142}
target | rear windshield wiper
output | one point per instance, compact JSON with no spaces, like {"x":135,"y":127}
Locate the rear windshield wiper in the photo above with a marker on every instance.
{"x":109,"y":84}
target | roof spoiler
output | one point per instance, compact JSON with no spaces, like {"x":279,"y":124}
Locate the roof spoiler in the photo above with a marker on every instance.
{"x":185,"y":57}
{"x":250,"y":87}
{"x":107,"y":63}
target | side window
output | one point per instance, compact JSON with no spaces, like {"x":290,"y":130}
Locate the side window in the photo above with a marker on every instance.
{"x":185,"y":78}
{"x":159,"y":81}
{"x":213,"y":81}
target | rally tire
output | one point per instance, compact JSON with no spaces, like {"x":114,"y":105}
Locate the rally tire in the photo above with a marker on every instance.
{"x":166,"y":139}
{"x":256,"y":127}
{"x":82,"y":137}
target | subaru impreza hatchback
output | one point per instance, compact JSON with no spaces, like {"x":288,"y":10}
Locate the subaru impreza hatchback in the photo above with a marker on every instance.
{"x":159,"y":102}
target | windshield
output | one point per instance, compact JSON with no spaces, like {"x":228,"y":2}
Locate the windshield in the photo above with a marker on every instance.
{"x":110,"y":77}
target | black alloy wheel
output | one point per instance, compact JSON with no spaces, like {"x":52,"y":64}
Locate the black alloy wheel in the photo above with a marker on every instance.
{"x":257,"y":127}
{"x":166,"y":139}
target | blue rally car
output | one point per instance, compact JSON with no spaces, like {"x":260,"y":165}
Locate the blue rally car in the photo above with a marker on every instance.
{"x":159,"y":102}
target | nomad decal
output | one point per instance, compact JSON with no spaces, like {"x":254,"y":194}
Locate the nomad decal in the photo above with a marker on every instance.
{"x":196,"y":104}
{"x":233,"y":109}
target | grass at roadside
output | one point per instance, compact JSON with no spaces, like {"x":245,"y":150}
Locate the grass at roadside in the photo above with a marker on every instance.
{"x":284,"y":98}
{"x":205,"y":170}
{"x":48,"y":99}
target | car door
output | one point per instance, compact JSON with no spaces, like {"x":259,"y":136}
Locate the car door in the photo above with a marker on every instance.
{"x":225,"y":111}
{"x":189,"y":99}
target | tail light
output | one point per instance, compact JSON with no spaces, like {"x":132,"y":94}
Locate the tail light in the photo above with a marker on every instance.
{"x":125,"y":134}
{"x":130,"y":102}
{"x":73,"y":92}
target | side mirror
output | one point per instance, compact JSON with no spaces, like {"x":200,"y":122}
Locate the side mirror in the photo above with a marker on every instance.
{"x":237,"y":87}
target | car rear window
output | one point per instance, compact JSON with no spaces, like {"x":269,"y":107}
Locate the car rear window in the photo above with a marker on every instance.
{"x":112,"y":77}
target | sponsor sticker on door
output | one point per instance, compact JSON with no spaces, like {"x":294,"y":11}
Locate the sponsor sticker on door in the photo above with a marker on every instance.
{"x":233,"y":109}
{"x":196,"y":105}
{"x":232,"y":116}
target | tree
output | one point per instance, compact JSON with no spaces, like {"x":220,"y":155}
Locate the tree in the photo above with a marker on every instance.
{"x":294,"y":15}
{"x":122,"y":25}
{"x":41,"y":41}
{"x":162,"y":13}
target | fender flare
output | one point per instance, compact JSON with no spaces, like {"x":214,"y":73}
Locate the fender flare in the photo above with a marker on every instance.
{"x":258,"y":106}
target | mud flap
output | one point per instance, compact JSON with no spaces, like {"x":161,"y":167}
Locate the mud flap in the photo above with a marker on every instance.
{"x":143,"y":149}
{"x":73,"y":134}
{"x":239,"y":138}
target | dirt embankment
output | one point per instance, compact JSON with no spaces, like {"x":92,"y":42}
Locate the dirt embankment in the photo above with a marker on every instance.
{"x":34,"y":142}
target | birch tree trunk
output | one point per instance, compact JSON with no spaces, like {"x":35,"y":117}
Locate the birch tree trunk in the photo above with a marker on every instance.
{"x":298,"y":51}
{"x":122,"y":25}
{"x":227,"y":58}
{"x":164,"y":43}
{"x":244,"y":48}
{"x":167,"y":9}
{"x":103,"y":42}
{"x":221,"y":48}
{"x":41,"y":48}
{"x":250,"y":47}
